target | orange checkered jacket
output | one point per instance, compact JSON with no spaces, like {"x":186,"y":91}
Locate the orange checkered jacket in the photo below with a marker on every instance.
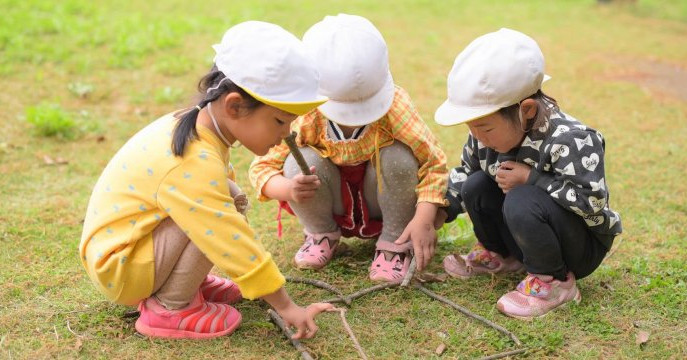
{"x":401,"y":123}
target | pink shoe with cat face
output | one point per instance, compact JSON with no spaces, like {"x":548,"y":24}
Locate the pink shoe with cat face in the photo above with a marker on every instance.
{"x":393,"y":269}
{"x":317,"y":250}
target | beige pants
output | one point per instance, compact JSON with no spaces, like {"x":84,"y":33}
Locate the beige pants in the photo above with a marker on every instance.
{"x":180,"y":267}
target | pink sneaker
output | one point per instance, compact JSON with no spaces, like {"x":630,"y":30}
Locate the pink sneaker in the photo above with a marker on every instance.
{"x":480,"y":261}
{"x":393,"y":270}
{"x":220,"y":290}
{"x":198,"y":320}
{"x":537,"y":295}
{"x":317,"y":250}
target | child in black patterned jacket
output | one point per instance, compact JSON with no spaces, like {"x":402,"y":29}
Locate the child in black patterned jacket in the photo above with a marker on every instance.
{"x":531,"y":177}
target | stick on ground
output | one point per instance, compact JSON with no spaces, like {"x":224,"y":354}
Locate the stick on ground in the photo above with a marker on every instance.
{"x":468,"y":313}
{"x":291,"y":142}
{"x":281,"y":325}
{"x":410,"y":273}
{"x":319,"y":284}
{"x":504,"y":354}
{"x":342,"y":313}
{"x":361,"y":293}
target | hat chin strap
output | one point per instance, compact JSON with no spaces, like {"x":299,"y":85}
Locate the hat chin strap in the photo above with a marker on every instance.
{"x":214,"y":122}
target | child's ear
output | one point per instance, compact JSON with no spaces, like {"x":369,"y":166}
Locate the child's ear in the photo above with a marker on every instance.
{"x":232,"y":103}
{"x":529,"y":109}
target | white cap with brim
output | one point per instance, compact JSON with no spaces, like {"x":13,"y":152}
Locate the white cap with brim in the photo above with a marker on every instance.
{"x":353,"y":62}
{"x":271,"y":65}
{"x":494,"y":71}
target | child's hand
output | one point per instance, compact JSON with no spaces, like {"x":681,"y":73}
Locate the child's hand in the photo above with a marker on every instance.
{"x":424,"y":239}
{"x":303,"y":319}
{"x":303,"y":187}
{"x":511,"y":174}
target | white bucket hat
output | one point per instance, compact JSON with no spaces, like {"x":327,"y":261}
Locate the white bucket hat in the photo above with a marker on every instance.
{"x":271,"y":65}
{"x":494,"y":71}
{"x":353,"y":61}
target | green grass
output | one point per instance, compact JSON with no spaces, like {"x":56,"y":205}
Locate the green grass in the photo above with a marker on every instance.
{"x":112,"y":67}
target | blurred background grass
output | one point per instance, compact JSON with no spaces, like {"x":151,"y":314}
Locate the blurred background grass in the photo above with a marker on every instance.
{"x":94,"y":72}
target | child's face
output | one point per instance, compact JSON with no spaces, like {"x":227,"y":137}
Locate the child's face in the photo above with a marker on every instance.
{"x":496,"y":132}
{"x":263,"y":128}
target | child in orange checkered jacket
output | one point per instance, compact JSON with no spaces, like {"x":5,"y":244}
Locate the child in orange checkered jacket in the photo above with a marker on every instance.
{"x":374,"y":159}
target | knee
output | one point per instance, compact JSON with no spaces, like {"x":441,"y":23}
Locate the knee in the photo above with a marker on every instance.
{"x":397,"y":160}
{"x":520,"y":205}
{"x":478,"y":183}
{"x":311,"y":157}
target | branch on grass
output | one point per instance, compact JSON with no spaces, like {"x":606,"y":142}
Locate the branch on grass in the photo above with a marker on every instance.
{"x":319,"y":284}
{"x":468,"y":313}
{"x":342,"y":313}
{"x":504,"y":354}
{"x":363,"y":292}
{"x":281,"y":325}
{"x":410,"y":273}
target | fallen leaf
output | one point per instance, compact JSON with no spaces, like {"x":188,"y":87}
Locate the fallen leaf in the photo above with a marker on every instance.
{"x":607,"y":286}
{"x":78,"y":344}
{"x":642,"y":337}
{"x":47,"y":160}
{"x":430,"y":277}
{"x":440,"y":349}
{"x":100,"y":138}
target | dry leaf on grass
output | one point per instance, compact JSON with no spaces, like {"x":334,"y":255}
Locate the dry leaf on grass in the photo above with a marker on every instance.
{"x":440,"y":349}
{"x":47,"y":160}
{"x":642,"y":337}
{"x":78,"y":344}
{"x":429,"y":277}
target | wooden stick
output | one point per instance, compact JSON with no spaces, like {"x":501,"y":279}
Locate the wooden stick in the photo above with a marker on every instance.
{"x":297,"y":344}
{"x":468,"y":313}
{"x":504,"y":354}
{"x":342,"y":313}
{"x":362,"y":292}
{"x":410,"y":273}
{"x":319,"y":284}
{"x":291,"y":142}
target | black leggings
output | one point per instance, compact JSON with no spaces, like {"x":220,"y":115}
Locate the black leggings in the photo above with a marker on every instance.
{"x":528,"y":224}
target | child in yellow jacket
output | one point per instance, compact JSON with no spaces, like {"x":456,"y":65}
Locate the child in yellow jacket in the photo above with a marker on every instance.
{"x":162,"y":212}
{"x":375,"y":160}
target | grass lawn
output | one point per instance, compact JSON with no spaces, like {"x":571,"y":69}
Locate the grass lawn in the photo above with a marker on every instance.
{"x":80,"y":77}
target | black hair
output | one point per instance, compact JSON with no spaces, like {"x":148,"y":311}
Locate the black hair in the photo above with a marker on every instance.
{"x":545,"y":105}
{"x":185,"y":130}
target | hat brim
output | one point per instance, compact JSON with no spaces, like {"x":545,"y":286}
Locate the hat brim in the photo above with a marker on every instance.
{"x":361,"y":113}
{"x":448,"y":114}
{"x":292,"y":107}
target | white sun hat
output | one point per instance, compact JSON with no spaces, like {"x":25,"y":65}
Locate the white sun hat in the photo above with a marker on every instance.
{"x":494,"y":71}
{"x":353,"y":62}
{"x":271,"y":65}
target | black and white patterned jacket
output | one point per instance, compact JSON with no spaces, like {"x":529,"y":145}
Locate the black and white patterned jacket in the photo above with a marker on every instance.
{"x":567,"y":160}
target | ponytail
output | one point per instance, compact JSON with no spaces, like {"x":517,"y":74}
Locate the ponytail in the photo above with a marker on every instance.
{"x":211,"y":86}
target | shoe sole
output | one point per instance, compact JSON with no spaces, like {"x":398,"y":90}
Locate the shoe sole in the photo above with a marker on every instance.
{"x":577,"y":299}
{"x":184,"y":334}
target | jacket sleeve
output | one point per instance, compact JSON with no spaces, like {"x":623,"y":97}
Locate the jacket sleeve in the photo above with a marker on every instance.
{"x":196,"y":196}
{"x":469,"y":163}
{"x":409,"y":128}
{"x":576,"y":177}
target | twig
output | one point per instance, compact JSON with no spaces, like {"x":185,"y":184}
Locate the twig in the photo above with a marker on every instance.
{"x":410,"y":273}
{"x":319,"y":284}
{"x":72,"y":331}
{"x":297,"y":344}
{"x":342,"y":313}
{"x":503,"y":354}
{"x":613,"y":250}
{"x":468,"y":313}
{"x":57,"y":337}
{"x":291,"y":142}
{"x":361,"y":293}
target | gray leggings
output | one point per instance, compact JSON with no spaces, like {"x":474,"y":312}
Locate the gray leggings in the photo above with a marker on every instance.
{"x":395,"y":205}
